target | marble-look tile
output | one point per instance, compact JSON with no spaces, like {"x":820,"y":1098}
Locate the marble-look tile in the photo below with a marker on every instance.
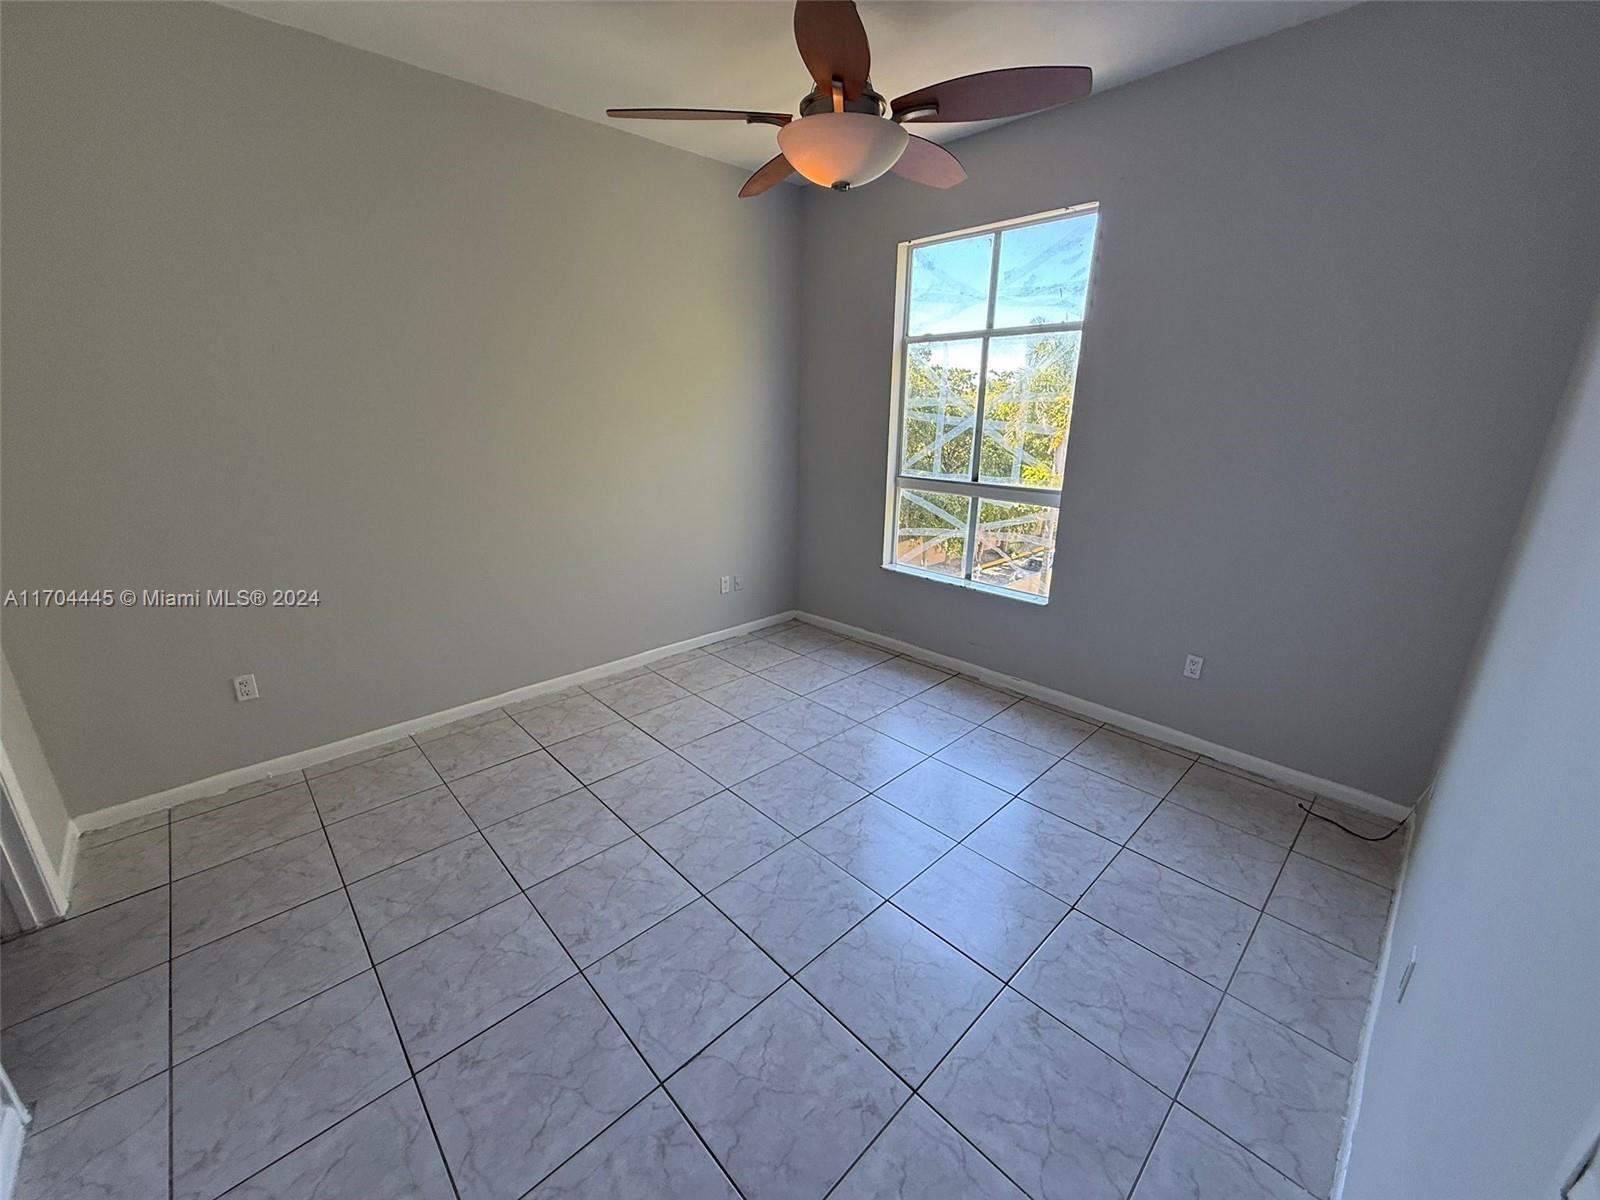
{"x":1230,"y":860}
{"x":864,"y":756}
{"x":715,"y":840}
{"x":677,"y":986}
{"x":612,"y":748}
{"x":385,"y":1150}
{"x":1056,"y":855}
{"x":655,"y":789}
{"x":514,"y":787}
{"x":538,"y":843}
{"x":119,"y":869}
{"x":681,"y":721}
{"x":1146,"y":767}
{"x":1240,"y":802}
{"x":921,"y":726}
{"x":1314,"y":988}
{"x":920,"y":1157}
{"x":73,"y":958}
{"x":787,"y":1098}
{"x":1274,"y":1092}
{"x":901,"y":990}
{"x":857,"y":698}
{"x":543,"y":700}
{"x":458,"y":983}
{"x":597,"y":905}
{"x":242,"y":1104}
{"x":793,"y":903}
{"x":488,"y":716}
{"x":1057,"y":1115}
{"x":967,"y":699}
{"x":117,"y":1148}
{"x":400,"y":907}
{"x":1376,"y":862}
{"x":1298,"y":793}
{"x":513,"y":1103}
{"x":1041,"y":727}
{"x":91,"y":1048}
{"x":755,"y":655}
{"x":850,"y":657}
{"x":701,"y":673}
{"x":245,"y":791}
{"x":472,"y":749}
{"x":984,"y":911}
{"x":650,"y":1154}
{"x":746,"y":697}
{"x":232,"y":832}
{"x":640,"y":694}
{"x":115,"y":833}
{"x":216,"y":902}
{"x":1095,"y":801}
{"x":1185,"y":922}
{"x":803,"y":675}
{"x":357,"y":757}
{"x":995,"y":758}
{"x":381,"y":837}
{"x":566,"y":718}
{"x":798,"y":793}
{"x":1134,"y":1005}
{"x":1192,"y":1161}
{"x":355,"y":789}
{"x":611,"y":678}
{"x":801,"y":724}
{"x":952,"y":801}
{"x":227,"y":986}
{"x":804,"y":639}
{"x":905,"y":676}
{"x":1336,"y":906}
{"x":878,"y":844}
{"x":734,"y":754}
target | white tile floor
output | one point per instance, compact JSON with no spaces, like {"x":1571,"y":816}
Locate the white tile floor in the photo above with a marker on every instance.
{"x":690,"y":933}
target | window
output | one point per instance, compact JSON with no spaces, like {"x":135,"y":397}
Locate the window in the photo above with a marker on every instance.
{"x":987,"y":362}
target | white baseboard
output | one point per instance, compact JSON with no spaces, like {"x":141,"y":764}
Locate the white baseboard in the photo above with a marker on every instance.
{"x":41,"y":888}
{"x":1275,"y":772}
{"x":216,"y":784}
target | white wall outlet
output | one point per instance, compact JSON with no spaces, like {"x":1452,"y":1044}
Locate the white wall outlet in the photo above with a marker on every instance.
{"x":737,"y":586}
{"x":727,"y":584}
{"x":1192,"y":665}
{"x":244,"y":688}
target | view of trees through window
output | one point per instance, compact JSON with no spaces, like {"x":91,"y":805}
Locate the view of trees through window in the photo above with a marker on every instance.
{"x":988,"y":370}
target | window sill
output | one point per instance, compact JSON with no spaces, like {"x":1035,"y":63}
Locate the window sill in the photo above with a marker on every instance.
{"x":967,"y":585}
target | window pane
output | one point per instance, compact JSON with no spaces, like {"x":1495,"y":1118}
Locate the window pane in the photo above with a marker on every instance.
{"x":1016,"y":546}
{"x":950,"y":285}
{"x":941,"y":406}
{"x":931,"y":531}
{"x":1044,"y":272}
{"x":1027,"y":408}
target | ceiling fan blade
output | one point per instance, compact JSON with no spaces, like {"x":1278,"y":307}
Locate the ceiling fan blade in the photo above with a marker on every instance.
{"x":1010,"y":92}
{"x":833,"y":44}
{"x":930,"y":163}
{"x":769,"y":174}
{"x":699,"y":114}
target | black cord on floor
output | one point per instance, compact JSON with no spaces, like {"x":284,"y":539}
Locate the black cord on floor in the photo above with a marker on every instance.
{"x":1380,"y":838}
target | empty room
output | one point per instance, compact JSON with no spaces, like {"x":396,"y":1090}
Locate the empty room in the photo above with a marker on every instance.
{"x":962,"y":600}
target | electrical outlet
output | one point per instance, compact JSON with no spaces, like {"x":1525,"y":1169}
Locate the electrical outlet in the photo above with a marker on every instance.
{"x":1192,"y":665}
{"x":727,"y":584}
{"x":244,"y":688}
{"x":737,"y":586}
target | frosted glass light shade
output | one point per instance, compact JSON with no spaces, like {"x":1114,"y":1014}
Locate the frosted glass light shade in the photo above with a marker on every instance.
{"x":842,"y":147}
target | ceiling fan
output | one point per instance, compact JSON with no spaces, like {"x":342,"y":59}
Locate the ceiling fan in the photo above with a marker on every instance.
{"x":848,"y":135}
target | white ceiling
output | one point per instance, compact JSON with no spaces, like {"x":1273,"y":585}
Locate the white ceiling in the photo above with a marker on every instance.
{"x":581,"y":57}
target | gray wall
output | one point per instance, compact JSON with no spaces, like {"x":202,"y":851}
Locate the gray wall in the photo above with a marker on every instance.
{"x":511,"y":389}
{"x":1341,"y":273}
{"x":1482,"y":1085}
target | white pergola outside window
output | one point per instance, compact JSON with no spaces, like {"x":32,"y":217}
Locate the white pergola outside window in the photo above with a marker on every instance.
{"x":989,"y":330}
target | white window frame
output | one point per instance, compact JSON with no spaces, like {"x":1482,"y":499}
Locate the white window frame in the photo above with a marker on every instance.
{"x":970,"y":487}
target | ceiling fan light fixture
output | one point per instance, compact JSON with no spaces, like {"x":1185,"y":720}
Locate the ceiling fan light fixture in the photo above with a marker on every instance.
{"x":842,"y":150}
